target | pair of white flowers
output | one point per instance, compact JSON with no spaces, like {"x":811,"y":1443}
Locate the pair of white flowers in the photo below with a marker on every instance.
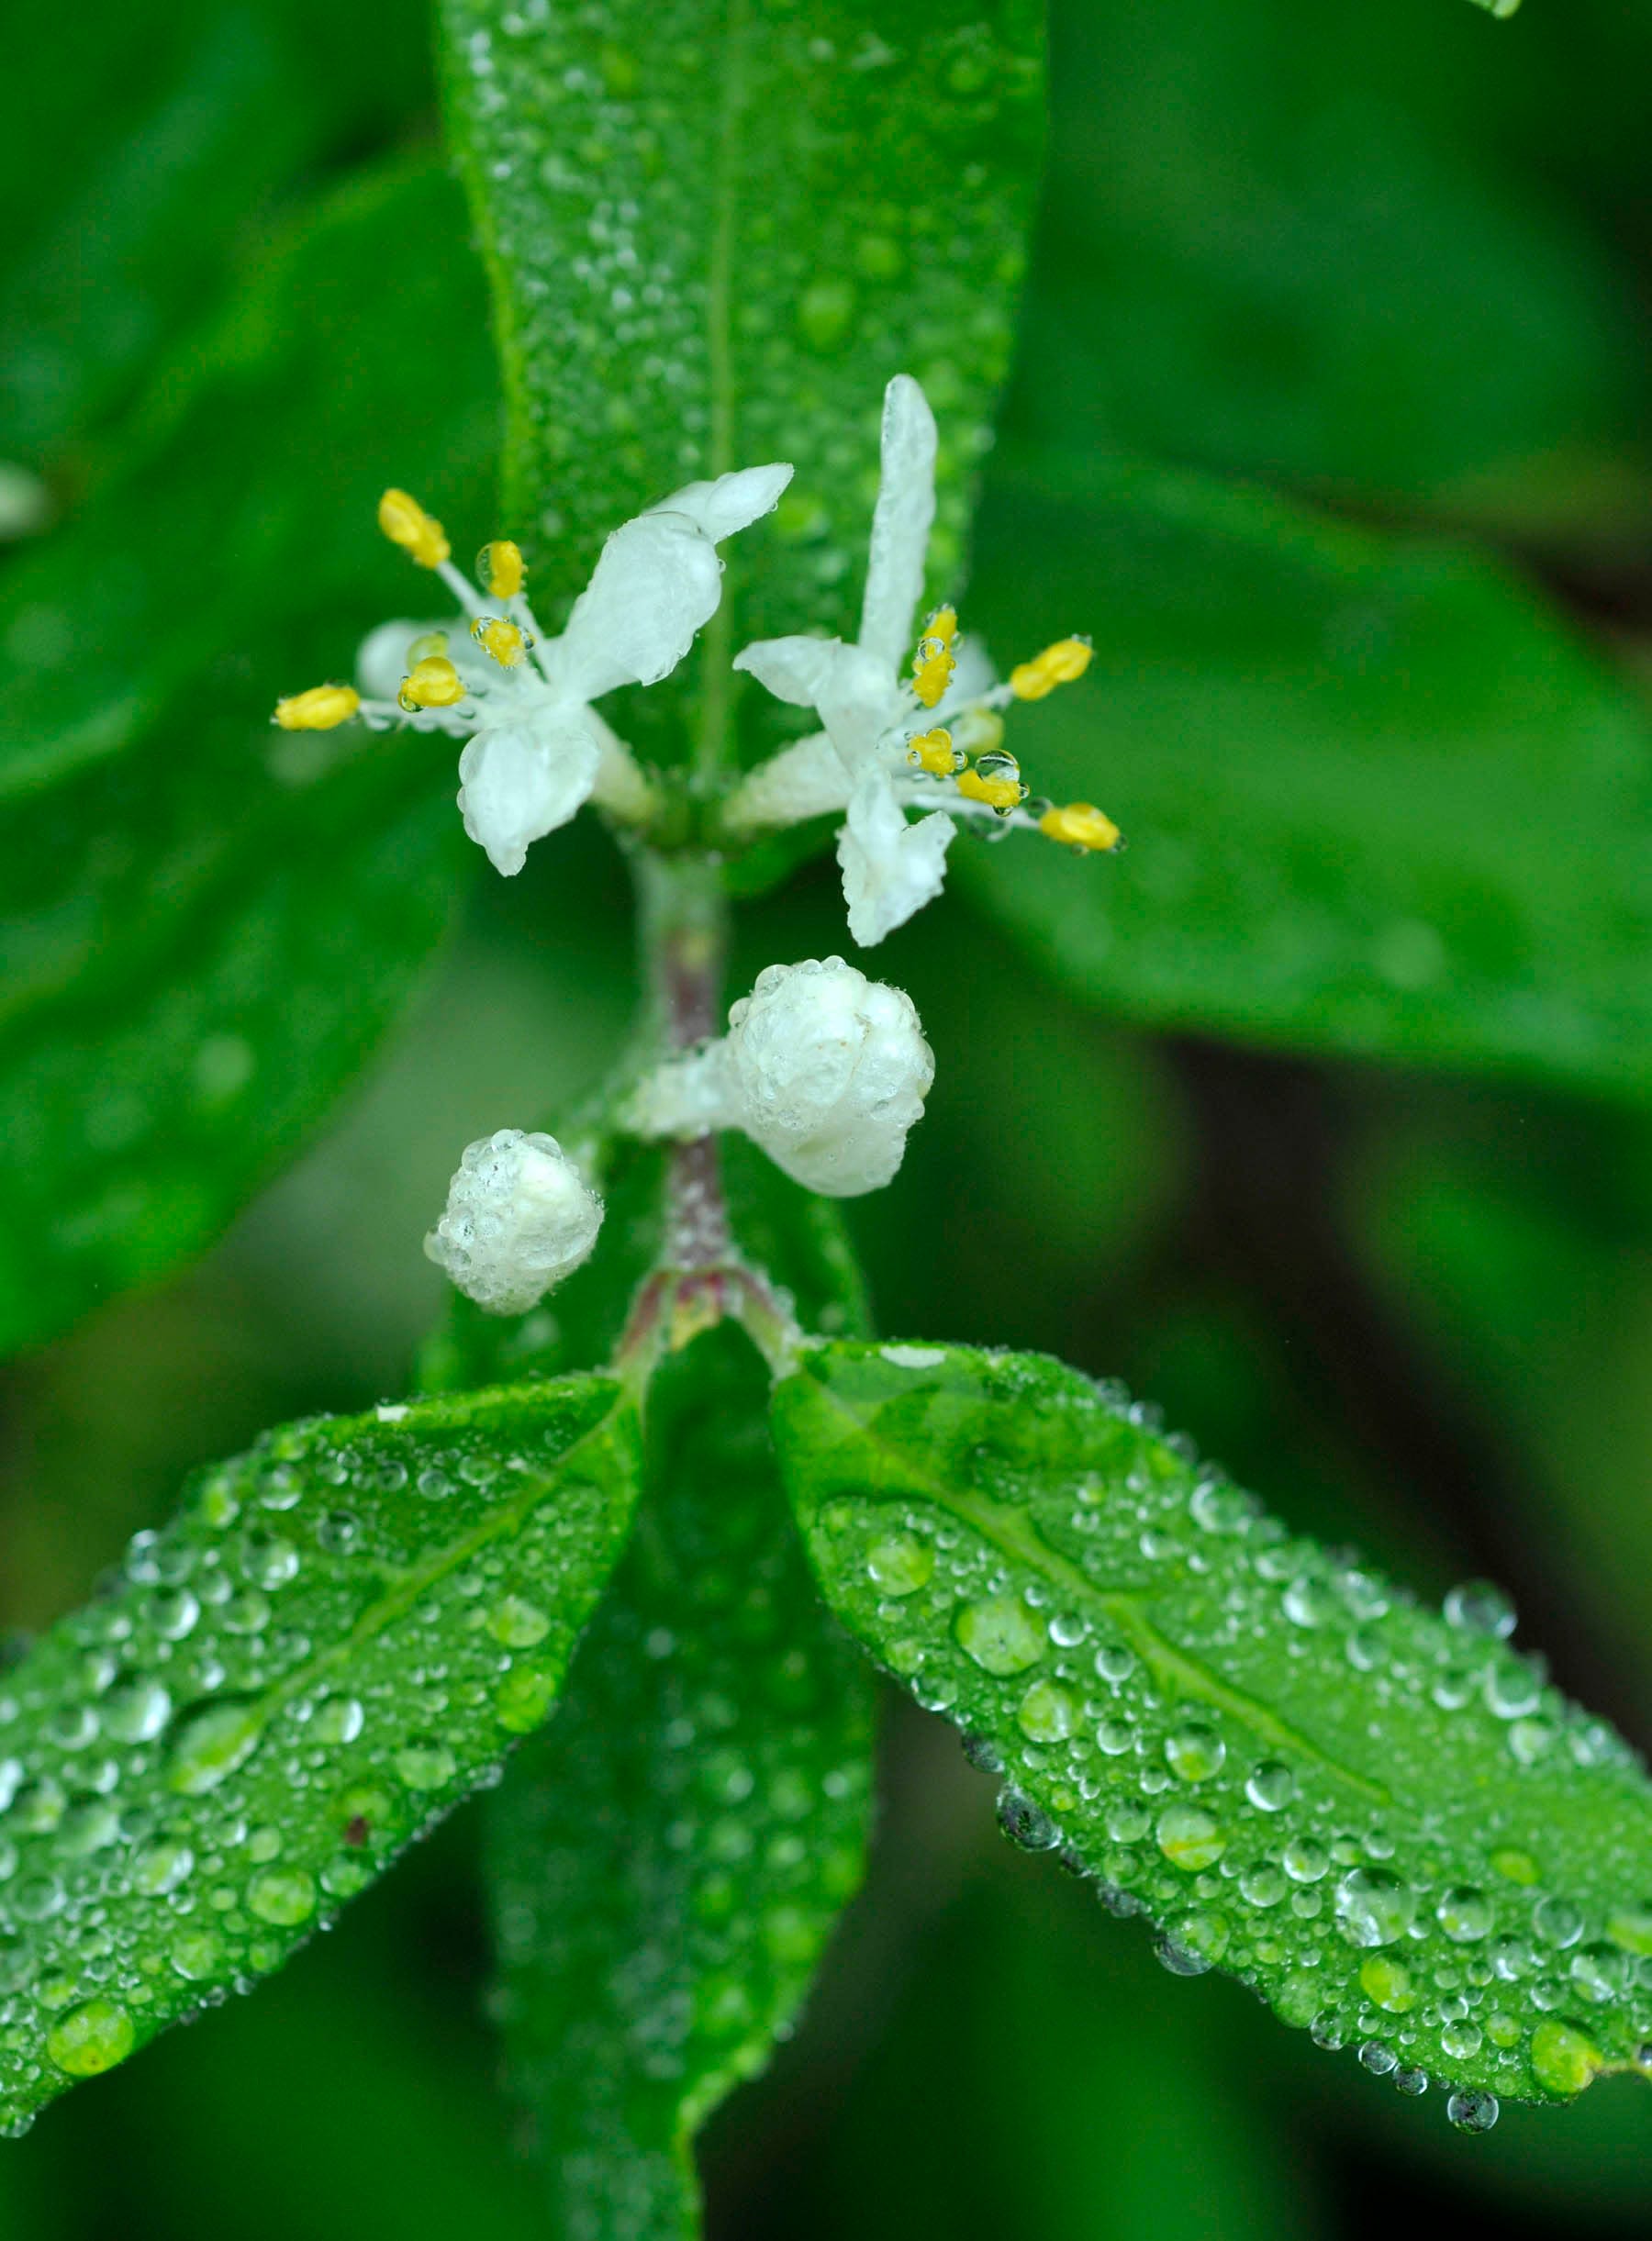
{"x":536,"y":747}
{"x":824,"y":1069}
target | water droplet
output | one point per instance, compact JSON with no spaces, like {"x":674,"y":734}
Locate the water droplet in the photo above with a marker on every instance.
{"x":137,"y":1711}
{"x":1387,"y":1983}
{"x":899,"y":1563}
{"x":1305,"y":1859}
{"x":1479,"y":1607}
{"x":1025,"y":1823}
{"x":1048,"y":1713}
{"x":1465,"y":1915}
{"x":1114,"y":1663}
{"x":517,"y":1623}
{"x":1190,"y":1838}
{"x":425,"y":1765}
{"x":1558,"y":1922}
{"x":162,"y":1866}
{"x":1381,"y":2060}
{"x":1195,"y":1752}
{"x":1374,"y":1907}
{"x":339,"y":1719}
{"x":89,"y":1825}
{"x":1601,"y":1971}
{"x":1271,"y":1786}
{"x":209,"y":1745}
{"x":195,"y":1955}
{"x":91,"y":2038}
{"x":286,"y":1895}
{"x":999,"y":1635}
{"x":1472,"y":2112}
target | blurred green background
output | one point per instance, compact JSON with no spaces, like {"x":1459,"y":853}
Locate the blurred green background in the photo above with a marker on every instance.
{"x":1390,"y":263}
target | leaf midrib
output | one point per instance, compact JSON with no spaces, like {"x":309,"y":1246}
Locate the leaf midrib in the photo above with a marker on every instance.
{"x":1009,"y":1531}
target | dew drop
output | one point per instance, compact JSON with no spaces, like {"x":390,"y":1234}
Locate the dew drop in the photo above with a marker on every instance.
{"x":91,"y":2038}
{"x":999,"y":1635}
{"x":284,"y":1896}
{"x":1465,"y":1915}
{"x":1374,"y":1907}
{"x":1195,"y":1752}
{"x":209,"y":1745}
{"x":899,"y":1563}
{"x":426,"y":1764}
{"x":1048,"y":1713}
{"x":517,"y":1623}
{"x":1190,"y":1838}
{"x":1271,"y":1786}
{"x":1472,"y":2112}
{"x":137,"y":1711}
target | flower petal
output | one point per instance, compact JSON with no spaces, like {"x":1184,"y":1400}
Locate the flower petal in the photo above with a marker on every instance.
{"x":900,"y":524}
{"x":520,"y":782}
{"x":890,"y":868}
{"x":733,"y":502}
{"x":658,"y":578}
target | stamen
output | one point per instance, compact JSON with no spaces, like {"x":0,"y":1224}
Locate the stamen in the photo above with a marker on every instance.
{"x":996,"y":780}
{"x":1080,"y":825}
{"x":433,"y":683}
{"x":943,"y":624}
{"x":932,"y":667}
{"x":500,"y":569}
{"x":934,"y":751}
{"x":1057,"y":664}
{"x":406,"y":523}
{"x":322,"y":708}
{"x":501,"y":639}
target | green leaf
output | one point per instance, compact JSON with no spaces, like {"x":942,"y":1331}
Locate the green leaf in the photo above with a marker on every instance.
{"x":668,"y":1861}
{"x":1377,"y":801}
{"x":1302,"y":242}
{"x":1380,"y":1817}
{"x":208,"y":924}
{"x":341,"y":1635}
{"x":142,"y":149}
{"x":717,"y":228}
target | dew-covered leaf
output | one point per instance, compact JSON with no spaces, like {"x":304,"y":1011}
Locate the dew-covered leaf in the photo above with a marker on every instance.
{"x":716,"y":232}
{"x":208,"y":923}
{"x":668,"y":1861}
{"x":1377,"y":800}
{"x":341,"y":1635}
{"x":1380,"y":1816}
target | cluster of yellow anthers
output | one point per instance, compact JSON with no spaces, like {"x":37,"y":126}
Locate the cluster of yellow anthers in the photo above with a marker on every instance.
{"x":432,"y":681}
{"x":994,"y":778}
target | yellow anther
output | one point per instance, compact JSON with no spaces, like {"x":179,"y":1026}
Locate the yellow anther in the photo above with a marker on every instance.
{"x":1057,"y":664}
{"x":943,"y":624}
{"x":433,"y":683}
{"x":319,"y":709}
{"x":1080,"y":825}
{"x":932,"y":667}
{"x":933,"y":752}
{"x":499,"y":637}
{"x":998,"y":790}
{"x":500,"y":569}
{"x":406,"y":523}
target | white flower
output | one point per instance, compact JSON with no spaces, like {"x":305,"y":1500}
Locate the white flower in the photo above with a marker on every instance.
{"x":824,"y":1069}
{"x":520,"y":1217}
{"x":535,"y":748}
{"x":895,"y":742}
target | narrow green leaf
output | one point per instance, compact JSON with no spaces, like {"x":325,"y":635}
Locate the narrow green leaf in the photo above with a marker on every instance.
{"x":1380,"y":1817}
{"x":340,"y":1636}
{"x":717,"y":228}
{"x":1377,"y":800}
{"x":208,"y":923}
{"x":669,"y":1859}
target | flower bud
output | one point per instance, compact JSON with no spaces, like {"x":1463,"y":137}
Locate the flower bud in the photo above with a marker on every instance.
{"x":828,"y":1071}
{"x":520,"y":1217}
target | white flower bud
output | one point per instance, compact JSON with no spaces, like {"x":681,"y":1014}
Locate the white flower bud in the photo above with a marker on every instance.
{"x":828,"y":1071}
{"x":520,"y":1217}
